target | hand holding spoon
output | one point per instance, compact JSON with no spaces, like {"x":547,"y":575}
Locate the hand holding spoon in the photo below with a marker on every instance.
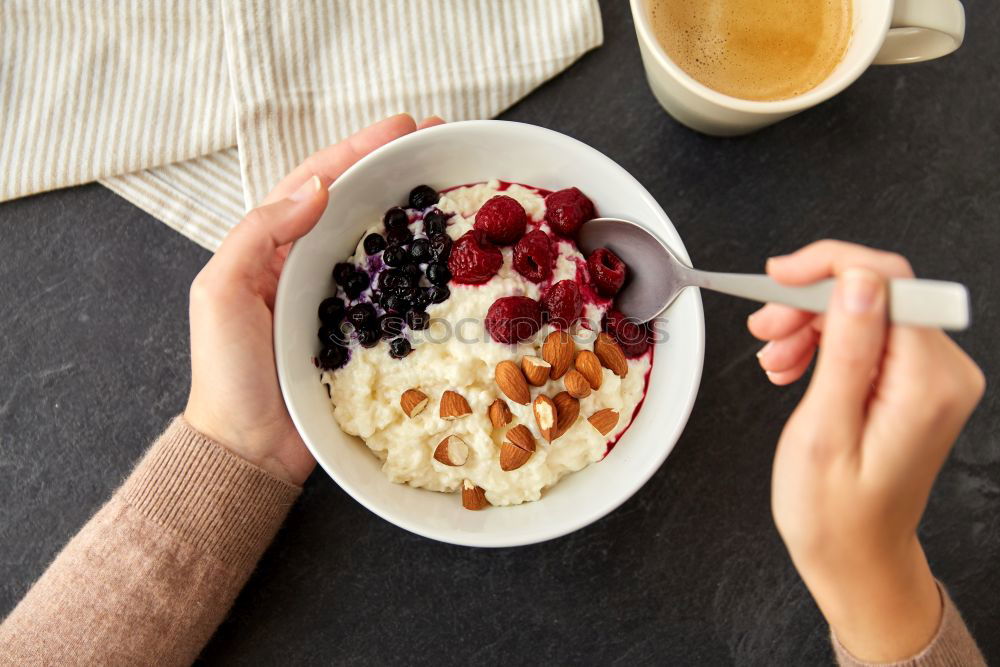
{"x":648,"y":292}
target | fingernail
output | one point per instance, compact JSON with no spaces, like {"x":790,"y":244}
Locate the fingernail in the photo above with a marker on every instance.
{"x":770,"y":375}
{"x":858,"y":290}
{"x":764,"y":350}
{"x":307,"y":190}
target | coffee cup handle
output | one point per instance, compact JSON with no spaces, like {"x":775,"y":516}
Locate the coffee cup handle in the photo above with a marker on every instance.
{"x":922,"y":30}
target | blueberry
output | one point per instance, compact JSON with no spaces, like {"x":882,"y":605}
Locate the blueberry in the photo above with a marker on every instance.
{"x":356,"y":284}
{"x":417,"y":319}
{"x":331,"y":336}
{"x":331,"y":310}
{"x":412,"y":273}
{"x":395,"y":256}
{"x":394,"y":303}
{"x":332,"y":358}
{"x":399,"y":237}
{"x":438,"y":293}
{"x":420,"y":250}
{"x":390,"y":326}
{"x":435,"y":222}
{"x":393,"y":279}
{"x":395,"y":218}
{"x":374,"y":244}
{"x":342,"y":271}
{"x":399,"y":348}
{"x":423,"y":196}
{"x":438,"y":274}
{"x":369,"y":337}
{"x":421,"y":300}
{"x":440,"y":246}
{"x":410,"y":294}
{"x":361,"y":315}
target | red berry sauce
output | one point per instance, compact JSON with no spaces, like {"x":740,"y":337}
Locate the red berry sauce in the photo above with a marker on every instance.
{"x":638,"y":406}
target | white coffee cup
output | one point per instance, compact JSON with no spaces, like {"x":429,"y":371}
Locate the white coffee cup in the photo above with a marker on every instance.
{"x":885,"y":32}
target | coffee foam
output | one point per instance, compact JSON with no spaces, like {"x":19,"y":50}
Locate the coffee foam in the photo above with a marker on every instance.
{"x":754,"y":49}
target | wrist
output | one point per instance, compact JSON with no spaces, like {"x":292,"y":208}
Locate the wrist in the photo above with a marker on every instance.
{"x":882,"y":607}
{"x":262,"y":449}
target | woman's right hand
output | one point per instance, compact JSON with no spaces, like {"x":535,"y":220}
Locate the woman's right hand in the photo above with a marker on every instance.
{"x":856,"y":461}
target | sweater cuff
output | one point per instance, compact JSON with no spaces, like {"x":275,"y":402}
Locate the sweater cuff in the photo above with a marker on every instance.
{"x":208,"y":496}
{"x":952,"y":644}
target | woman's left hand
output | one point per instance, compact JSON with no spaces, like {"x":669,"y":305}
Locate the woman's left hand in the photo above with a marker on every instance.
{"x":235,"y":398}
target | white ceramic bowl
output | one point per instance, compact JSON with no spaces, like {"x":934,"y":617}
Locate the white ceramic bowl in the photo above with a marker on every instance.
{"x":443,"y":156}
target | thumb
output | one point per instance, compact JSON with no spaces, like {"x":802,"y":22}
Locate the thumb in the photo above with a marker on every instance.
{"x":253,"y":241}
{"x":851,"y":348}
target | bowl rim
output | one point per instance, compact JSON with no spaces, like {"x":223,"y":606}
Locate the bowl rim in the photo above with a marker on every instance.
{"x":486,"y":540}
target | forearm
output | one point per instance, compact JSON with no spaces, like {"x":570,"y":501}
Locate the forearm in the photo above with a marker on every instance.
{"x":152,"y":574}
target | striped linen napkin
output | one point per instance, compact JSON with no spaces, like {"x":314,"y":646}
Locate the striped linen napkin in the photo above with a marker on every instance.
{"x":193,"y":109}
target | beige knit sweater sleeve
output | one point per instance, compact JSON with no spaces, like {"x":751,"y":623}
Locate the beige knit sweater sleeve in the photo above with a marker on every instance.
{"x":148,"y":579}
{"x":952,"y":645}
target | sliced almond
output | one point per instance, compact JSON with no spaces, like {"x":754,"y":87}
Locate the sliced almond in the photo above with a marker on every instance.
{"x":610,"y":353}
{"x":567,"y":410}
{"x":536,"y":370}
{"x":576,"y":384}
{"x":590,"y":367}
{"x":413,"y":402}
{"x":499,"y":413}
{"x":512,"y":382}
{"x":512,"y":457}
{"x":520,"y":436}
{"x":545,"y":416}
{"x":517,"y":448}
{"x":558,"y":350}
{"x":604,"y":420}
{"x":454,"y":406}
{"x":473,"y":497}
{"x":452,"y":451}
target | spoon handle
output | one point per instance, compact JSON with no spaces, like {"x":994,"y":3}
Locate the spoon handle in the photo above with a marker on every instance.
{"x":915,"y":302}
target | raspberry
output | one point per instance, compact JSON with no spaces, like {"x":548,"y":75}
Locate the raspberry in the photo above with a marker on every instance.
{"x":632,"y":336}
{"x":533,"y":256}
{"x":562,"y":304}
{"x":567,"y":210}
{"x":607,"y":271}
{"x":502,"y":219}
{"x":513,"y":319}
{"x":473,"y":259}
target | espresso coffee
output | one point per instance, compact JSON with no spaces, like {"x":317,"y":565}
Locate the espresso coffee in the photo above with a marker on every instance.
{"x":754,"y":49}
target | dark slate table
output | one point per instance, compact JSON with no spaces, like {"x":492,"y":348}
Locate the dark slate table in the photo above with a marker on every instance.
{"x":689,"y":571}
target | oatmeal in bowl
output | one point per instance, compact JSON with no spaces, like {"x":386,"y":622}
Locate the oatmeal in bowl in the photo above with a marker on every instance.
{"x":475,"y":350}
{"x":415,"y":416}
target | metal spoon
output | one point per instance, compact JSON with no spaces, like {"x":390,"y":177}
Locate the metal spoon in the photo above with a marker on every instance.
{"x":658,"y":277}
